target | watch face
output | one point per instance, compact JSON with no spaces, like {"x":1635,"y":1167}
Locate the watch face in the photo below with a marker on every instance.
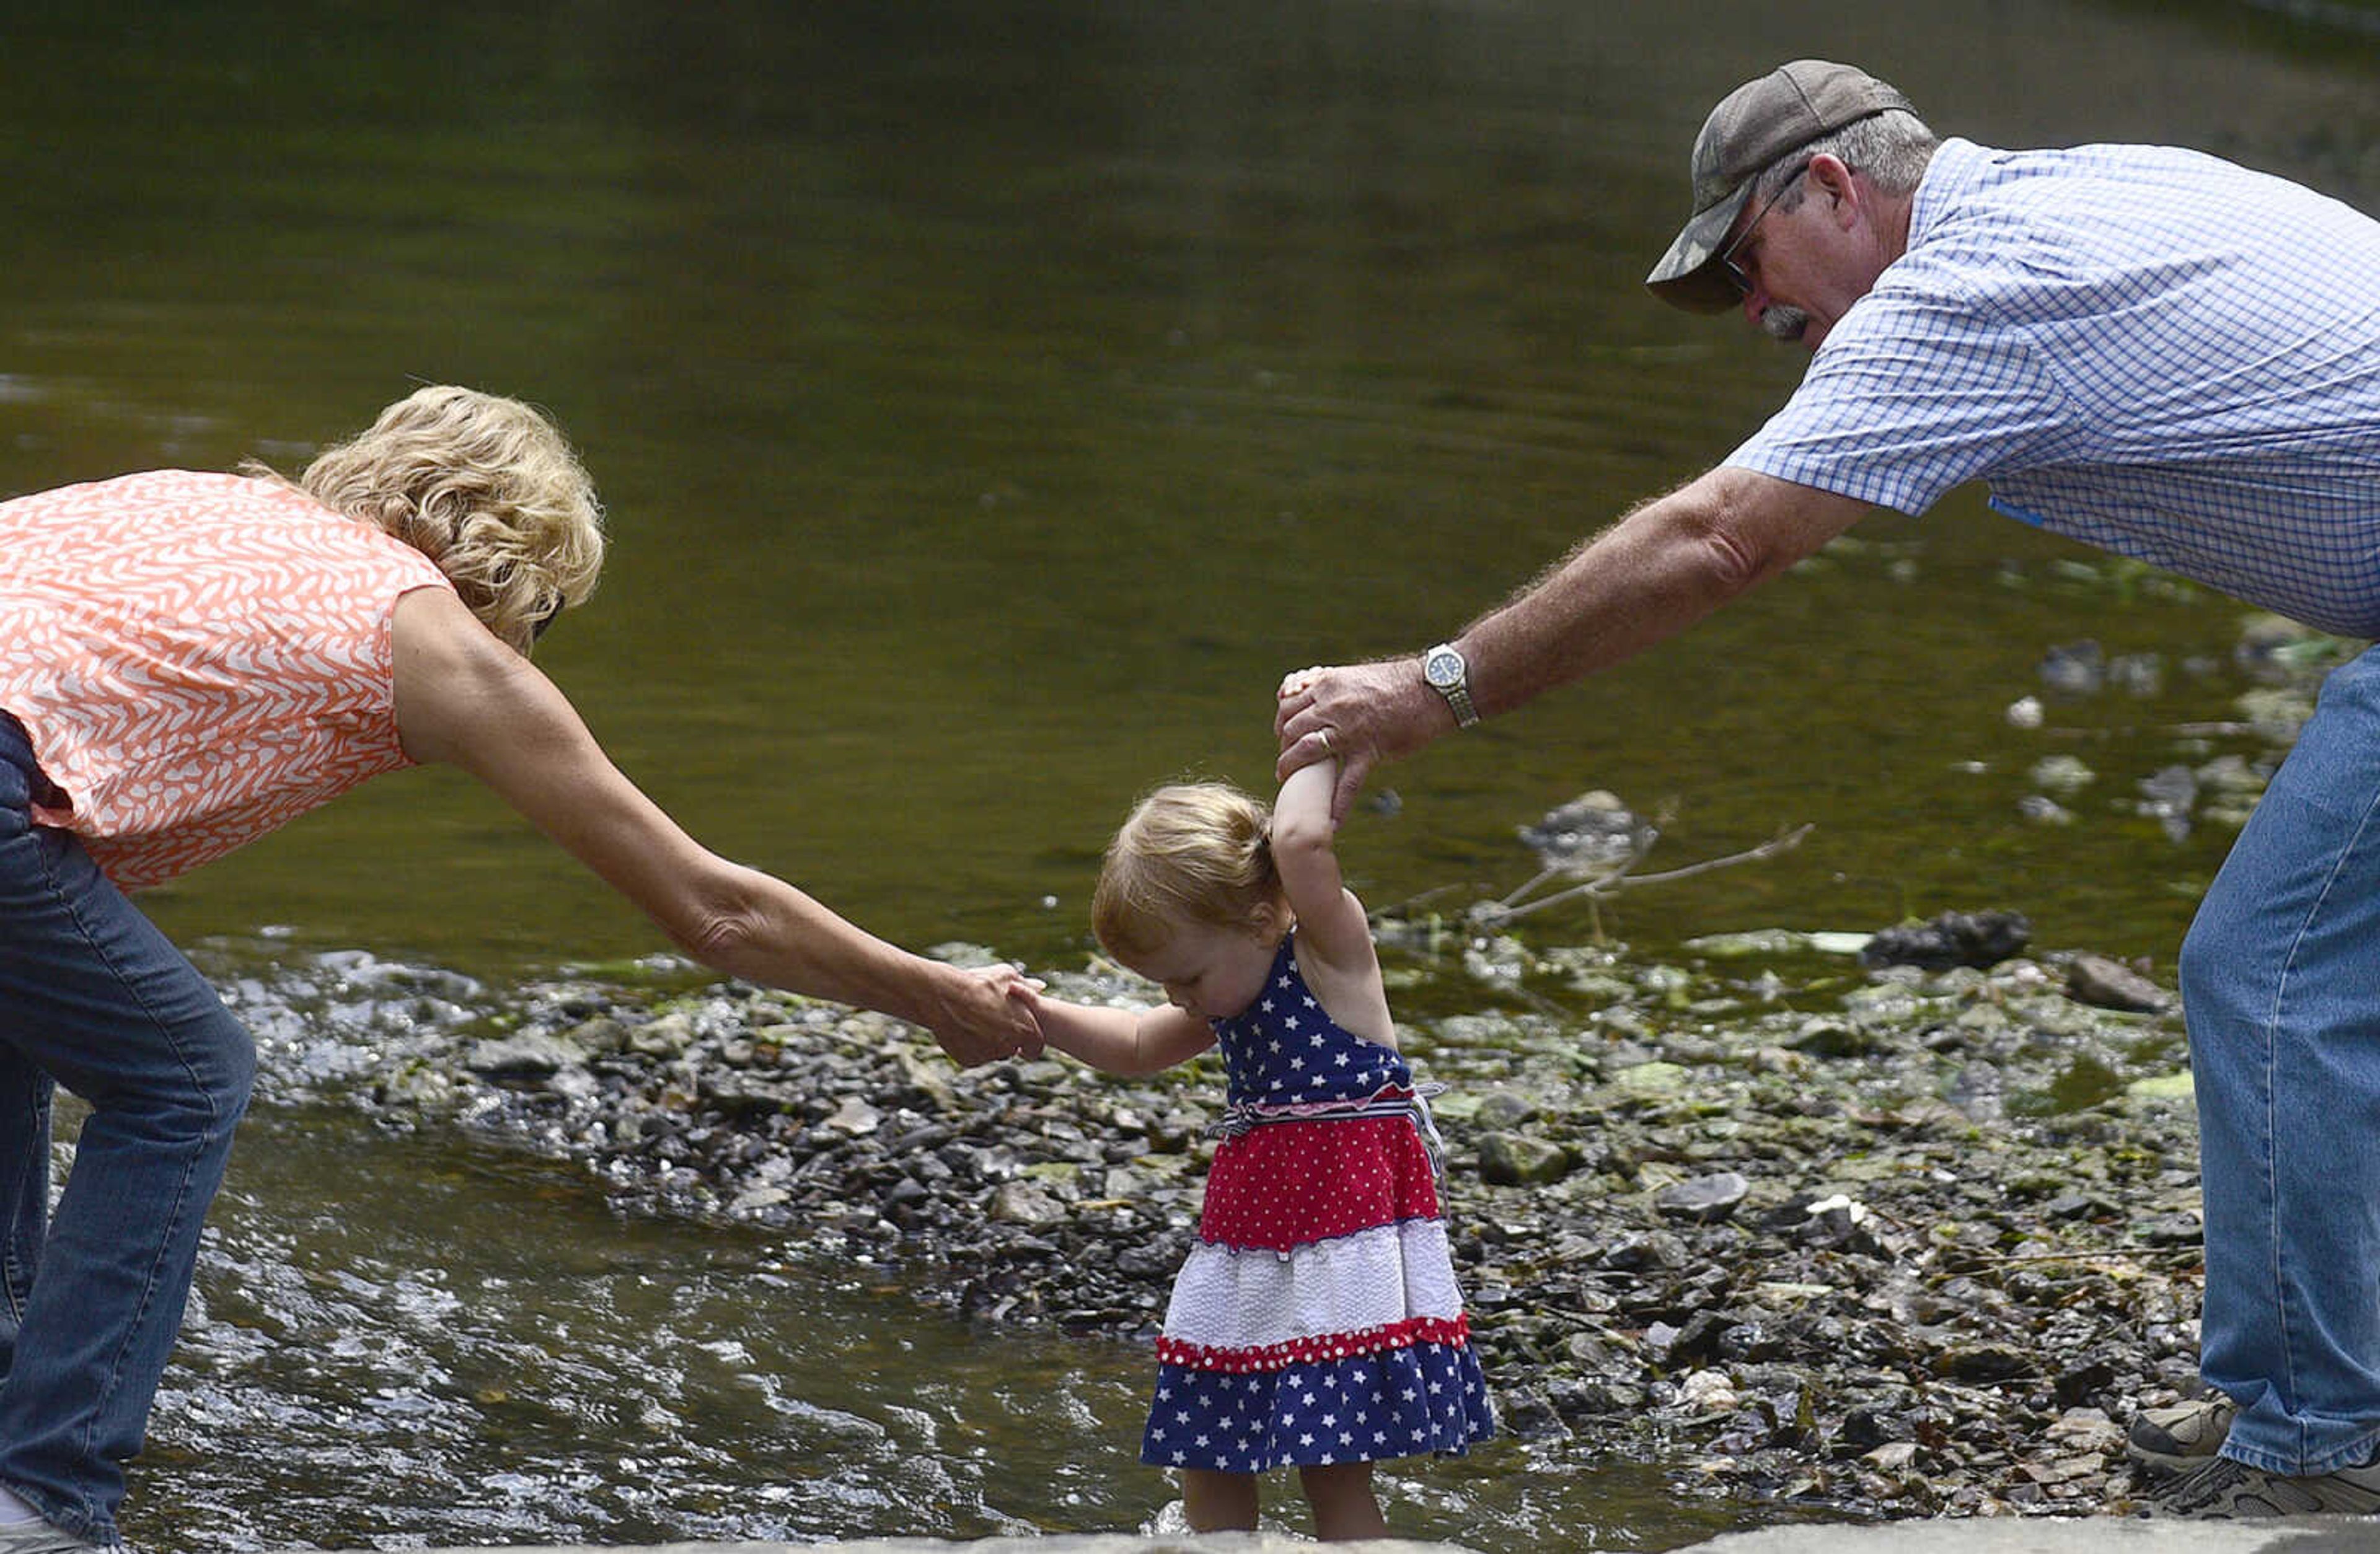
{"x":1444,"y":668}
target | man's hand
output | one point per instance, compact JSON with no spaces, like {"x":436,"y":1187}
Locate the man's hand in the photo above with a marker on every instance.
{"x":1360,"y":714}
{"x":987,"y":1014}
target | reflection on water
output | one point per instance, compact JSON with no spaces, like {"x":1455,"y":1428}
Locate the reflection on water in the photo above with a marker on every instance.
{"x":992,"y":399}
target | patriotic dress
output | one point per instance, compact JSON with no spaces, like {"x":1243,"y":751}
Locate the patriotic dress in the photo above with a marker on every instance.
{"x":1318,"y":1319}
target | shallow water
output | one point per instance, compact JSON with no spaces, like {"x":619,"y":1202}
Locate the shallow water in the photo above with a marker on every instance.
{"x":409,"y":1340}
{"x":992,"y":399}
{"x":404,"y":1340}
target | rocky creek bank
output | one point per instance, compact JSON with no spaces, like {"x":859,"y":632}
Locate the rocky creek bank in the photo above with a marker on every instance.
{"x":1900,"y":1239}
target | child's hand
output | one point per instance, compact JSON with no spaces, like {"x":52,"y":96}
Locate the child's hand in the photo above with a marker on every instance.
{"x":978,"y":1019}
{"x":1295,"y":682}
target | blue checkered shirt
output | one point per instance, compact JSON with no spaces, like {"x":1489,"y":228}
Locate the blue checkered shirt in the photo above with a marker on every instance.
{"x":2148,"y":349}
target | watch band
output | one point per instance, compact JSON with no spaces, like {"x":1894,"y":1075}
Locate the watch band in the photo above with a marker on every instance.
{"x":1444,"y":669}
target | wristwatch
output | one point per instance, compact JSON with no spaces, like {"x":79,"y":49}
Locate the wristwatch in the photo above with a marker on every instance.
{"x":1443,"y":667}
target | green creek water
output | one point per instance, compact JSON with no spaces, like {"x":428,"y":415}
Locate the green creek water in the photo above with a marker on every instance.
{"x":992,"y":399}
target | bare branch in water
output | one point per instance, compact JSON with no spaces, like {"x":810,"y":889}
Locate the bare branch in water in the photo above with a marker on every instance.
{"x":1618,"y":877}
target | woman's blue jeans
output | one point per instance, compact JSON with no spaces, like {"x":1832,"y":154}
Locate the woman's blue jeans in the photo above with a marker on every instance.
{"x":2280,"y":980}
{"x":93,"y":998}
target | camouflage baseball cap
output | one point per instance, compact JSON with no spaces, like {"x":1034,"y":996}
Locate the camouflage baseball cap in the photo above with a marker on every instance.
{"x":1757,"y":125}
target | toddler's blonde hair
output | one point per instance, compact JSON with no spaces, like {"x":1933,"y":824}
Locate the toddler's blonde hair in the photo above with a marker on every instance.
{"x":487,"y":487}
{"x":1188,"y":853}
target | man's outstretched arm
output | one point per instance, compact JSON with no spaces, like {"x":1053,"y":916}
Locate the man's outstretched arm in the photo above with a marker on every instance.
{"x":1665,"y":565}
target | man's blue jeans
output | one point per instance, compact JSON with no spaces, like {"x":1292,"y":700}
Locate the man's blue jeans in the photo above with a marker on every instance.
{"x":93,"y":998}
{"x":2280,"y":980}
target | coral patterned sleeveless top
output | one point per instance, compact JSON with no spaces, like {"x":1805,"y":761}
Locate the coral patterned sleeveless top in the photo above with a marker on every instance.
{"x":198,"y":659}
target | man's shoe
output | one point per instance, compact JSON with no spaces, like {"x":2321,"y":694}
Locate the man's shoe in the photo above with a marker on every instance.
{"x":2180,"y":1436}
{"x":2223,"y":1490}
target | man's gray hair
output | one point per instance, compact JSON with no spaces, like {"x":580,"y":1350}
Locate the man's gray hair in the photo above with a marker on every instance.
{"x":1892,"y":148}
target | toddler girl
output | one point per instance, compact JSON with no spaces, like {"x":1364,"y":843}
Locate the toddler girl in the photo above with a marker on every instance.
{"x":1317,"y":1322}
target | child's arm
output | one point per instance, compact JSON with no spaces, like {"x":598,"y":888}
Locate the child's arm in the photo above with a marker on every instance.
{"x":1334,"y":938}
{"x":1331,"y":921}
{"x":1126,"y":1041}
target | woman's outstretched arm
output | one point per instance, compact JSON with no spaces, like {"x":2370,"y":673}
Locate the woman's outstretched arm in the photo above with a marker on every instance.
{"x":465,"y":699}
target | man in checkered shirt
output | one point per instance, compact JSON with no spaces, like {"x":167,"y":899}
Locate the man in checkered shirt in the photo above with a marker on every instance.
{"x":2156,"y":352}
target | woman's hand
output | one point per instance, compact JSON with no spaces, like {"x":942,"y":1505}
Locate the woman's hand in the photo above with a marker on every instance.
{"x":983,"y":1015}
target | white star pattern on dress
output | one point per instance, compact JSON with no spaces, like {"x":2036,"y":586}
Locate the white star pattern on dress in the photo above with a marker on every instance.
{"x":1257,"y":1390}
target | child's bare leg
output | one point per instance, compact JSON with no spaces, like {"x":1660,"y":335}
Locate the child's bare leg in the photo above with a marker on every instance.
{"x":1218,"y":1502}
{"x":1343,"y":1504}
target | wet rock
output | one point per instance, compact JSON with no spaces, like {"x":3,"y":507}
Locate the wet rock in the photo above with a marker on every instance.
{"x":1028,"y":1203}
{"x":2275,"y":714}
{"x":1831,"y":1036}
{"x":1510,"y":1159}
{"x":1642,"y":1253}
{"x":1591,"y":834}
{"x":1529,"y":1415}
{"x":1979,"y":1091}
{"x":1836,"y":1220}
{"x":663,"y":1037}
{"x":1579,"y":1400}
{"x":2173,"y":1230}
{"x":855,"y":1117}
{"x":597,"y":1037}
{"x":2062,"y":776}
{"x":2231,"y":775}
{"x":1872,"y":1425}
{"x":2139,"y":674}
{"x":1985,"y":1362}
{"x":1700,"y":1339}
{"x":2075,"y":669}
{"x":1652,"y":1077}
{"x":2168,"y":796}
{"x":1709,"y":1392}
{"x":1893,"y":1456}
{"x":1704,"y":1199}
{"x":1751,"y":943}
{"x":531,"y":1056}
{"x":1975,"y":938}
{"x":2074,"y":1387}
{"x":2042,"y":809}
{"x":2107,"y":984}
{"x":1504,"y":1108}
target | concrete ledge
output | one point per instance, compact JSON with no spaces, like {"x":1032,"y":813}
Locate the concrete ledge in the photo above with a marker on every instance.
{"x":1091,"y":1543}
{"x":2331,"y":1535}
{"x":2097,"y":1534}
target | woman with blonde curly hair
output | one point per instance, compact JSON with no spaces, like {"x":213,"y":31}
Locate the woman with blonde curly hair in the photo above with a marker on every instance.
{"x":188,"y":661}
{"x":484,"y":487}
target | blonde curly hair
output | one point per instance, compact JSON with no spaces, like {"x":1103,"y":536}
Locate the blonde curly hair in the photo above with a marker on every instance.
{"x":1189,"y":853}
{"x":487,"y":487}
